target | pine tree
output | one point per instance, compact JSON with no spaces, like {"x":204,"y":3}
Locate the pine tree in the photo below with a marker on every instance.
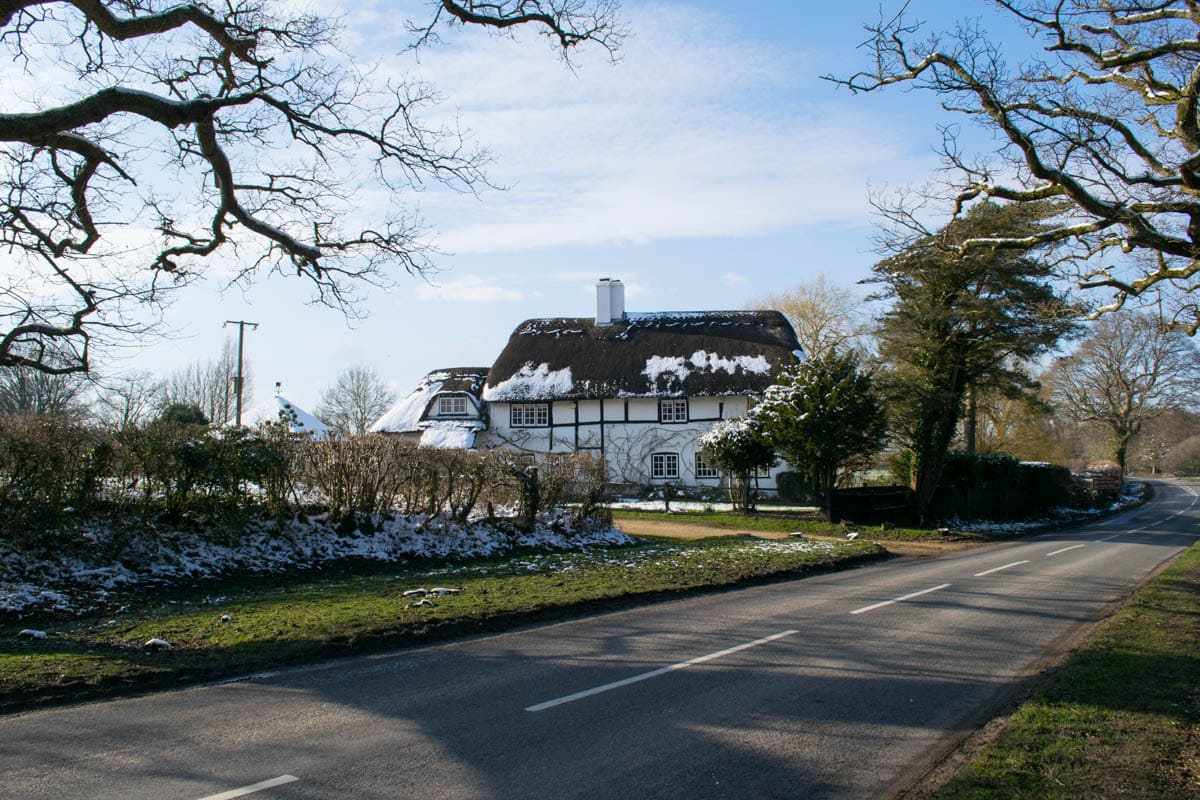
{"x":961,"y":320}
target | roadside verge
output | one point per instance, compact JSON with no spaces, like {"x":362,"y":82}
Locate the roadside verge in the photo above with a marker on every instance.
{"x":241,"y":625}
{"x":1120,"y":718}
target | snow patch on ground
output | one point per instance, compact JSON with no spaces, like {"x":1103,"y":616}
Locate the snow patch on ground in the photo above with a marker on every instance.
{"x":695,"y":506}
{"x":110,"y":560}
{"x":1131,"y":495}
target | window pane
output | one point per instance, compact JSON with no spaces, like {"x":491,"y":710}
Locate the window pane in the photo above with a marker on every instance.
{"x":529,"y":415}
{"x":664,"y":465}
{"x":672,"y":410}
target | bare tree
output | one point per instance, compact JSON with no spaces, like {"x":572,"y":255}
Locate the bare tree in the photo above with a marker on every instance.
{"x":129,"y":399}
{"x":1151,"y":450}
{"x":1128,"y":371}
{"x":29,"y":391}
{"x":201,"y":128}
{"x":209,"y":385}
{"x":1108,"y":121}
{"x":357,"y":399}
{"x":827,"y":318}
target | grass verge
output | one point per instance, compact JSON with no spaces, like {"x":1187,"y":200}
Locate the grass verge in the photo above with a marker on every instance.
{"x":765,"y":522}
{"x":1120,"y":719}
{"x":275,"y":620}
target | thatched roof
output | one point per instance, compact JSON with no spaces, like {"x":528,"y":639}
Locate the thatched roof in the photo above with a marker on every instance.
{"x":698,"y":353}
{"x":408,"y":414}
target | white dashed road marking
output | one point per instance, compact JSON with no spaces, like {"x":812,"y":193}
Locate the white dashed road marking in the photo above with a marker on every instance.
{"x":997,"y":569}
{"x":656,"y":672}
{"x":257,"y":787}
{"x":874,"y":606}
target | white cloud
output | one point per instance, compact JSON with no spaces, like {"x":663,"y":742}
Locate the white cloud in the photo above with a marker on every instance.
{"x":469,"y":289}
{"x":693,"y":134}
{"x":735,"y":279}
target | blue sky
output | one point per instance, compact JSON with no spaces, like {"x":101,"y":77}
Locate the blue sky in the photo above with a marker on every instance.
{"x":710,"y":165}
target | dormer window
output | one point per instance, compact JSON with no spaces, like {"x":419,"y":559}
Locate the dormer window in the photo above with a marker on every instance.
{"x":452,"y":406}
{"x":673,"y":410}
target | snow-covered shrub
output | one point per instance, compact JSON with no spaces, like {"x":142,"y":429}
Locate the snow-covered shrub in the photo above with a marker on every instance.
{"x":575,"y":478}
{"x":363,"y":474}
{"x":740,"y":447}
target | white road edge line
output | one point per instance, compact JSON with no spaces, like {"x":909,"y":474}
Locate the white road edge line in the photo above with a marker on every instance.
{"x":997,"y":569}
{"x":874,"y":606}
{"x":655,"y":673}
{"x":1065,"y":549}
{"x":258,"y":787}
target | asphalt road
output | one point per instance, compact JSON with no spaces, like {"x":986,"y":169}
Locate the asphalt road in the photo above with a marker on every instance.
{"x":840,"y":686}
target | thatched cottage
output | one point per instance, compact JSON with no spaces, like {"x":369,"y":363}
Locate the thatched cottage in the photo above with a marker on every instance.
{"x":639,"y":389}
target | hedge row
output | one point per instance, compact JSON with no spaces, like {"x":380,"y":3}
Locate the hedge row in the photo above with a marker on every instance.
{"x":54,"y":471}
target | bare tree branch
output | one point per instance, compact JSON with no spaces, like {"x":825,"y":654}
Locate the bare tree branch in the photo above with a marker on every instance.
{"x":271,"y":140}
{"x":1109,"y":120}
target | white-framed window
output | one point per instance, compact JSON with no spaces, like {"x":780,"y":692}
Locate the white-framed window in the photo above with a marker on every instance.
{"x":664,"y":466}
{"x":452,"y":406}
{"x":704,"y":470}
{"x":529,"y":415}
{"x":673,"y":410}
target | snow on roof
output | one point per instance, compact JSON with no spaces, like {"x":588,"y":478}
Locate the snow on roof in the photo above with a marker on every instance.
{"x":675,"y":369}
{"x":668,"y":354}
{"x":281,"y":410}
{"x":532,"y":383}
{"x":404,"y":416}
{"x":447,"y":435}
{"x":407,"y":415}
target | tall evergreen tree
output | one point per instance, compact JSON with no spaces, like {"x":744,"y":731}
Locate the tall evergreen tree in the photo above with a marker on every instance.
{"x":963,"y":319}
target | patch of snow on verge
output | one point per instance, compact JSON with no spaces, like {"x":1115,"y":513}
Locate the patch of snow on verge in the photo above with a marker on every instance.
{"x":50,"y":581}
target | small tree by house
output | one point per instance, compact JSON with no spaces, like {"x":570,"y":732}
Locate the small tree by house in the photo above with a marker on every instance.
{"x":739,"y":448}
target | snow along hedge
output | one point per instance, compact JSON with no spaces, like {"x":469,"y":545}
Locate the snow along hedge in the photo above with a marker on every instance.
{"x":107,"y":557}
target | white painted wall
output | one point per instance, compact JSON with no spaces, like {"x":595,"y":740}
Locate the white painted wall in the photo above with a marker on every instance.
{"x":627,"y":444}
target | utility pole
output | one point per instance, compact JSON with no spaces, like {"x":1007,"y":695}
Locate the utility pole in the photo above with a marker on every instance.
{"x":237,"y":381}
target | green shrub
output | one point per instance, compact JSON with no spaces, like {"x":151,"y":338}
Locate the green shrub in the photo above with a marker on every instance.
{"x":792,"y":488}
{"x":50,"y":469}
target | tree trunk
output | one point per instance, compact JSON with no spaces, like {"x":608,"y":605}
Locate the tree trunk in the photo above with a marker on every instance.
{"x":825,"y":484}
{"x":969,"y":421}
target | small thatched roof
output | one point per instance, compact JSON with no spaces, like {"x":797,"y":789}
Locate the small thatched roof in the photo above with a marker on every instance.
{"x":408,"y":414}
{"x":698,"y":353}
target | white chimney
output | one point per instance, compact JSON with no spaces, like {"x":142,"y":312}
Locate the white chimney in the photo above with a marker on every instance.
{"x":610,"y":301}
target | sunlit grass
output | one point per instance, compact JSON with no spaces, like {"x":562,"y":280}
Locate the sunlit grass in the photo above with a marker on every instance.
{"x":281,"y":619}
{"x":773,"y":523}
